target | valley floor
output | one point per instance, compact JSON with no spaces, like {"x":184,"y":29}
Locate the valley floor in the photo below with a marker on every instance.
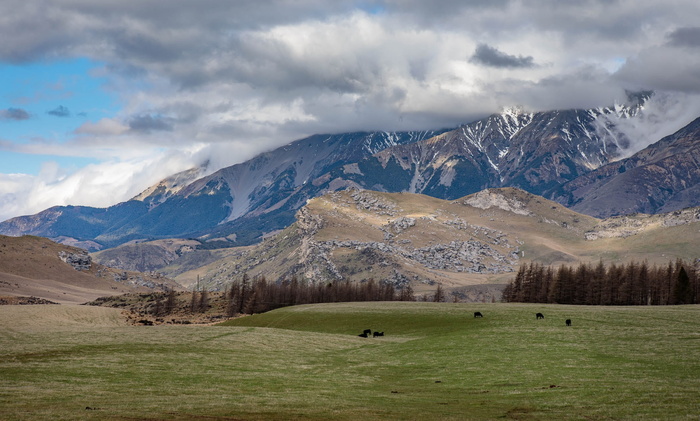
{"x":435,"y":361}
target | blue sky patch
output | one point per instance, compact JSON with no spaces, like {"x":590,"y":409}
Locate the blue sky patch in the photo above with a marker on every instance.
{"x":46,"y":102}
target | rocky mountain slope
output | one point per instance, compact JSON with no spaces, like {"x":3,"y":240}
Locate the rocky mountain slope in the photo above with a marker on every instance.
{"x":534,"y":152}
{"x":537,"y":152}
{"x":470,"y":245}
{"x":38,"y":267}
{"x":237,"y":203}
{"x":661,"y":178}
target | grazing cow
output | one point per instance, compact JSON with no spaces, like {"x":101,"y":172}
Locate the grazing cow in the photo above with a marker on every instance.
{"x":378,"y":334}
{"x":478,"y":314}
{"x":539,"y":316}
{"x":568,"y":322}
{"x":367,"y":332}
{"x":363,"y":335}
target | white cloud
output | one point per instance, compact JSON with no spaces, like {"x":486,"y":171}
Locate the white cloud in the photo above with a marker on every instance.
{"x":661,"y":116}
{"x":97,"y":185}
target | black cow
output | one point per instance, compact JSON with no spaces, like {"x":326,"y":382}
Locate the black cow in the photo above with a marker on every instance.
{"x":367,"y":332}
{"x":378,"y":334}
{"x":568,"y":322}
{"x":478,"y":314}
{"x":363,"y":335}
{"x":539,"y":316}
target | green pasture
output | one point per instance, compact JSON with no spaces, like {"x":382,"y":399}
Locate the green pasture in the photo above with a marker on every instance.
{"x":435,"y":362}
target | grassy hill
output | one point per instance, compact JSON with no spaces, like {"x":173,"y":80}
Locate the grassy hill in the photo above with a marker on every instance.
{"x":435,"y":362}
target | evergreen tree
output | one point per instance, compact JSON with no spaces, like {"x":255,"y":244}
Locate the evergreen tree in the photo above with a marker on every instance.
{"x":203,"y":304}
{"x":439,"y":294}
{"x":683,"y":293}
{"x":243,"y":294}
{"x":170,"y":302}
{"x":194,"y":302}
{"x":231,"y":306}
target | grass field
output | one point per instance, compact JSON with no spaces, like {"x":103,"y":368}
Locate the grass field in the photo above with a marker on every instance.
{"x":435,"y":362}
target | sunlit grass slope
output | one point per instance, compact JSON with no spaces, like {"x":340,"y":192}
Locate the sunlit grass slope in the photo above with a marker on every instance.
{"x":436,"y":361}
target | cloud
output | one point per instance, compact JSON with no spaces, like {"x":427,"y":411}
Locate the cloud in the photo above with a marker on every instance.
{"x":98,"y":185}
{"x":16,"y":114}
{"x":60,"y":111}
{"x":685,"y":37}
{"x":662,"y":115}
{"x":106,"y":183}
{"x":662,"y":68}
{"x":147,"y":123}
{"x":103,"y":127}
{"x":490,"y":56}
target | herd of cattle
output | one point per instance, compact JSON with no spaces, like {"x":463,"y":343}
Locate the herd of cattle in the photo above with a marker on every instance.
{"x":368,"y":332}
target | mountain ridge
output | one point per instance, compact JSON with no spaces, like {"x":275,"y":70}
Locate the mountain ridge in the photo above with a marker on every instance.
{"x":238,"y":205}
{"x":162,"y":212}
{"x":663,"y":177}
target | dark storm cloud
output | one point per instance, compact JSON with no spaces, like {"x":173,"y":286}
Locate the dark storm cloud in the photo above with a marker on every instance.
{"x":313,"y":64}
{"x":31,"y":30}
{"x":659,"y":68}
{"x":685,"y":37}
{"x":490,"y":56}
{"x":60,"y":111}
{"x":147,"y":123}
{"x":16,"y":114}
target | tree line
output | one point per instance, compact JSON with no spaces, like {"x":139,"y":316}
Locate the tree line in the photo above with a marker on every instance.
{"x":634,"y":283}
{"x":257,"y":295}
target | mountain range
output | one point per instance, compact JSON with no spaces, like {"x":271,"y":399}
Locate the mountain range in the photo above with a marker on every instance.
{"x":563,"y":155}
{"x":236,"y":204}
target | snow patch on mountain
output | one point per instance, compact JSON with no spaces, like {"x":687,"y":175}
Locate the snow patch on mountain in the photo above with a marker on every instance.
{"x":160,"y":192}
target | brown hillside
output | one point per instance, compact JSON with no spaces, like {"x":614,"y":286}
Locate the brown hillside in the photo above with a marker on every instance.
{"x":32,"y":266}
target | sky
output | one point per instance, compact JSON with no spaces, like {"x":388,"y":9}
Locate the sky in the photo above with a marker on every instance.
{"x":101,"y":99}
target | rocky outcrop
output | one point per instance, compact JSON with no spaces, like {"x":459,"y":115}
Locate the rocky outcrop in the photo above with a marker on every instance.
{"x":628,"y":225}
{"x":456,"y":256}
{"x":370,"y":202}
{"x":140,"y":281}
{"x":488,"y":198}
{"x":79,"y":261}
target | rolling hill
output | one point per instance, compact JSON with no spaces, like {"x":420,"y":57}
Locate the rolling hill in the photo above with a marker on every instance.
{"x":38,"y":267}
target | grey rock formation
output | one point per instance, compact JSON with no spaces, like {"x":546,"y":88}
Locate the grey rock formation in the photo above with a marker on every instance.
{"x":79,"y":261}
